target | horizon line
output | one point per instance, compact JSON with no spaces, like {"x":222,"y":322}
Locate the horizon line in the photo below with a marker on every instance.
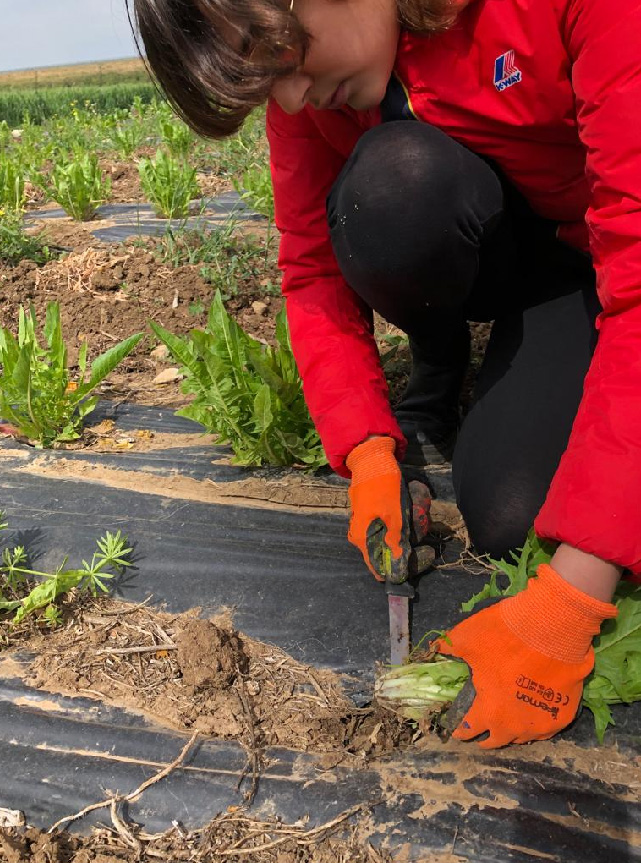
{"x":69,"y":65}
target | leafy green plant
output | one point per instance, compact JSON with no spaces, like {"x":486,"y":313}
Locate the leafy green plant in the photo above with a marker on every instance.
{"x":11,"y":184}
{"x":37,"y":395}
{"x":15,"y":244}
{"x":24,"y":591}
{"x":248,"y":393}
{"x":5,"y":135}
{"x":236,"y":154}
{"x":169,"y":184}
{"x":176,"y":135}
{"x":79,"y":187}
{"x":615,"y":679}
{"x":508,"y":579}
{"x":127,"y":138}
{"x":395,"y":341}
{"x":256,"y":189}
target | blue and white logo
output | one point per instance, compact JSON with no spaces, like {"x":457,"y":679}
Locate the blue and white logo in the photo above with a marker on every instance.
{"x":505,"y":71}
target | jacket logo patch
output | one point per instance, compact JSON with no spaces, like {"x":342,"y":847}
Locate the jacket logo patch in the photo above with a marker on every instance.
{"x":505,"y":71}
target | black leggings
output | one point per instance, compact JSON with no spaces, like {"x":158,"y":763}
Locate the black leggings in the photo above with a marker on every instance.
{"x":431,"y":236}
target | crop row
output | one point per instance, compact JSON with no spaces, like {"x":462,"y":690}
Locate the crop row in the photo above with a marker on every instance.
{"x":43,"y":104}
{"x":61,"y":159}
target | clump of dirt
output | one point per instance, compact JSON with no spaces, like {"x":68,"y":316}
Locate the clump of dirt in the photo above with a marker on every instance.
{"x":125,"y":181}
{"x":209,"y":657}
{"x":193,"y":674}
{"x":31,"y":844}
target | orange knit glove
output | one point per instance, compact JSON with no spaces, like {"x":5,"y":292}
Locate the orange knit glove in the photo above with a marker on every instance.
{"x":383,"y":513}
{"x":528,"y":655}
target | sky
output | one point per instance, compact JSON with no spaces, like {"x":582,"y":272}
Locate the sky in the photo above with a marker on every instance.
{"x":35,"y":33}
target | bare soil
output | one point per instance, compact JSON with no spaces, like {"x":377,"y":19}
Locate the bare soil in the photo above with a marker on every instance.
{"x":106,"y":293}
{"x":192,"y":674}
{"x":248,"y":839}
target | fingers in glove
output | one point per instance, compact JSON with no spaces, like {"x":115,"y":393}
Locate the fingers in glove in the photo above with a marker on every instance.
{"x":459,"y":708}
{"x":473,"y":725}
{"x":381,"y":560}
{"x":421,"y":501}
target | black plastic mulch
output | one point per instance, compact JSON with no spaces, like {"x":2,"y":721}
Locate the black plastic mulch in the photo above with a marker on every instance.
{"x":293,"y":581}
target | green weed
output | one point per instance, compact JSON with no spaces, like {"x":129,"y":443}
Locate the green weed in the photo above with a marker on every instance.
{"x":11,"y":184}
{"x":248,"y":393}
{"x":256,"y":189}
{"x":127,"y":138}
{"x":176,"y":135}
{"x":15,"y":244}
{"x":25,"y":591}
{"x":228,"y":259}
{"x":77,"y":184}
{"x":169,"y":184}
{"x":37,"y":395}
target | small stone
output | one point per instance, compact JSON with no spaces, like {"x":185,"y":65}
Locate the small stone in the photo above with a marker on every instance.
{"x":168,"y":375}
{"x":253,"y":688}
{"x":160,"y":352}
{"x":259,"y":307}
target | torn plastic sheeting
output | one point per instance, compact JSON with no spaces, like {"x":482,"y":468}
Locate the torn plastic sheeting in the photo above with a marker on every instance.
{"x":520,"y":808}
{"x":61,"y":754}
{"x":198,"y":462}
{"x":292,"y":580}
{"x":129,"y":417}
{"x":56,"y":763}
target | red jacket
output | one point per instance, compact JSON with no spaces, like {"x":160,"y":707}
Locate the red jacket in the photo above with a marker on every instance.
{"x":561,"y":115}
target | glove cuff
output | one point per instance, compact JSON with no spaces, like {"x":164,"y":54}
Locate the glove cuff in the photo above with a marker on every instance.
{"x":555,"y":618}
{"x":372,"y":458}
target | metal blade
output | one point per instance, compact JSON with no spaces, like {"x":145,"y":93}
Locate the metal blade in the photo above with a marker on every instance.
{"x":399,"y":628}
{"x":398,"y":599}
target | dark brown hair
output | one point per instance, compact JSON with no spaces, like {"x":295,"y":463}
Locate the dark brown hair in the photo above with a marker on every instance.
{"x":216,"y":60}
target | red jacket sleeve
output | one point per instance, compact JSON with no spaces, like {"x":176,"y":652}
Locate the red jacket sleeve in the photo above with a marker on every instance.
{"x":594,"y":502}
{"x":331,"y":328}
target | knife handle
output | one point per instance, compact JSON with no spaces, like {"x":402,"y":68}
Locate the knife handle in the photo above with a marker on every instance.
{"x":399,"y":589}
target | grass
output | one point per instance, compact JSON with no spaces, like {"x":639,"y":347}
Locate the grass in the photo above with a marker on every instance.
{"x":45,"y":103}
{"x":228,"y":257}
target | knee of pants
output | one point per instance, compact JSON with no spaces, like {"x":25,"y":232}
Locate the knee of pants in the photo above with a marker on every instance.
{"x":499,"y":523}
{"x":412,"y":203}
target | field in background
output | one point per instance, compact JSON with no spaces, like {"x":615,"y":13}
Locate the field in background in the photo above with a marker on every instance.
{"x":127,"y":71}
{"x":22,"y":107}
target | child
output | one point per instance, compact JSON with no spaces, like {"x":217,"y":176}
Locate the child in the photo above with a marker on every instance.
{"x":439,"y":162}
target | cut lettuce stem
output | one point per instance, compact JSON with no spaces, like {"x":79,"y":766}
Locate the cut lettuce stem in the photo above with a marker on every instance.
{"x":422,"y":691}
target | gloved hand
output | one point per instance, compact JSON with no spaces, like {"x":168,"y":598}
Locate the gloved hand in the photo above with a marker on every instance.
{"x":387,"y":514}
{"x":528,"y":656}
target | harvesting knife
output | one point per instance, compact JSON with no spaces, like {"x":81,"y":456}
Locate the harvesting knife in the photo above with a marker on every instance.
{"x":398,"y":599}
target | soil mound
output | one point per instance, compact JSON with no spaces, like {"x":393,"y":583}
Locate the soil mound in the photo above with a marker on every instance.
{"x":194,"y":674}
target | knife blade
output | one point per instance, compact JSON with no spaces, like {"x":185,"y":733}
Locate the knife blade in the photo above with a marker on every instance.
{"x":398,"y":601}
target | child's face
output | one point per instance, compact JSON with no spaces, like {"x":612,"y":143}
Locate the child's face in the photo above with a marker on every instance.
{"x":350,"y":57}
